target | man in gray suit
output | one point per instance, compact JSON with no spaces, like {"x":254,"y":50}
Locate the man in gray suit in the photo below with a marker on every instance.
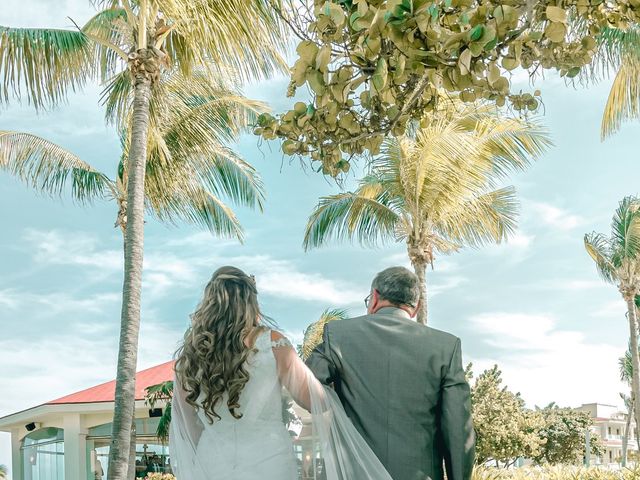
{"x":401,"y":383}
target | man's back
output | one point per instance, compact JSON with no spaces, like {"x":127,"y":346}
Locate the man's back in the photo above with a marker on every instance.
{"x":403,"y":386}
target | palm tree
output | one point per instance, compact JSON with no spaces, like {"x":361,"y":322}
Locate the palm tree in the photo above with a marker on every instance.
{"x":162,"y":392}
{"x":3,"y":472}
{"x":625,"y":364}
{"x":313,"y":333}
{"x":628,"y":404}
{"x":140,"y":38}
{"x":617,"y":262}
{"x":435,"y":189}
{"x":189,"y":166}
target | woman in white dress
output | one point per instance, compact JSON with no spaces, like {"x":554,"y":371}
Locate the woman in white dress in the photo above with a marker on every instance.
{"x":227,"y":404}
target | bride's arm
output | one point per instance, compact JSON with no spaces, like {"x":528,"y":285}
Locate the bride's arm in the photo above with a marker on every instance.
{"x":293,"y":373}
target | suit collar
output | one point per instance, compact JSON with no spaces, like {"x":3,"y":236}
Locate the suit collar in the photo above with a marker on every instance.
{"x":394,"y":312}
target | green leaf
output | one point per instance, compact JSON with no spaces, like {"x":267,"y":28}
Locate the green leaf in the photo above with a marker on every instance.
{"x":476,"y":33}
{"x":556,"y":14}
{"x":555,"y":32}
{"x":380,"y":74}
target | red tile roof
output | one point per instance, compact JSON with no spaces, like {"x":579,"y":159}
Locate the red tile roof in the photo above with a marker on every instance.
{"x":106,"y":391}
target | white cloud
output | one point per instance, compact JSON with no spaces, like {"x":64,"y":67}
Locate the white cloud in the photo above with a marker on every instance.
{"x":546,"y":363}
{"x":55,"y":247}
{"x":556,"y":217}
{"x":520,"y":240}
{"x":282,"y":278}
{"x":55,"y":303}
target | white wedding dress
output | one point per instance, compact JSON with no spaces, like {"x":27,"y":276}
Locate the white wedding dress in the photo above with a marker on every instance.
{"x":258,"y":445}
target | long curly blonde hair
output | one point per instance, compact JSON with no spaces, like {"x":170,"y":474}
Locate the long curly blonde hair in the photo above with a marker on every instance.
{"x":212,"y":358}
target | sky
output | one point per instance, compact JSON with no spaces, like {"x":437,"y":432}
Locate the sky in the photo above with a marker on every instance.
{"x":535,"y":305}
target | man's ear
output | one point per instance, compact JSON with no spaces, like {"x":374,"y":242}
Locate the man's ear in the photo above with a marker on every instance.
{"x":417,"y":309}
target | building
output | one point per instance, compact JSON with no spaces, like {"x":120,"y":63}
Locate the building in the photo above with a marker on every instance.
{"x":609,"y":424}
{"x":68,"y":438}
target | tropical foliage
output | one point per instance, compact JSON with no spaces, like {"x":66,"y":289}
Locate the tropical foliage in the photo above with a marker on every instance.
{"x":135,"y":41}
{"x":373,"y":67}
{"x":436,"y":189}
{"x":3,"y":472}
{"x":619,"y":51}
{"x":505,"y":430}
{"x":159,"y":476}
{"x":189,"y":170}
{"x":617,"y":261}
{"x":313,"y":333}
{"x":161,"y":393}
{"x":555,"y":473}
{"x":563,"y":433}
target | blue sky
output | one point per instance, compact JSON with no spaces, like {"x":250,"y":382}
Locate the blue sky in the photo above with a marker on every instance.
{"x":534,"y":305}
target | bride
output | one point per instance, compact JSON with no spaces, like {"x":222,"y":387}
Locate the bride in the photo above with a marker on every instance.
{"x":227,"y":414}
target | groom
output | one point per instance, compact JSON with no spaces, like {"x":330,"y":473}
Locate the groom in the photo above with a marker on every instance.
{"x":401,"y":383}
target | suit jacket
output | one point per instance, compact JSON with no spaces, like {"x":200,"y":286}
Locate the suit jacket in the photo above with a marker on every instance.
{"x":403,"y":386}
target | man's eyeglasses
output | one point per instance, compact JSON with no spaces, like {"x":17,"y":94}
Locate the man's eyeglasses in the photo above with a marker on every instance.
{"x":367,"y":300}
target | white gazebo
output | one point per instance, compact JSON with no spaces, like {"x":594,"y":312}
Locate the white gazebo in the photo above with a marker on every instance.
{"x":68,"y":438}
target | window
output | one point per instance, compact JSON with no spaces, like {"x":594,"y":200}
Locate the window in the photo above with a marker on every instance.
{"x":609,"y":430}
{"x":42,"y":454}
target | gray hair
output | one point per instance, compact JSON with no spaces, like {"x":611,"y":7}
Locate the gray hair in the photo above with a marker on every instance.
{"x":398,"y":285}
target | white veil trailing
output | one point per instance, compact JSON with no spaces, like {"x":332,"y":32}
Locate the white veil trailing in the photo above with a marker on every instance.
{"x":330,"y":437}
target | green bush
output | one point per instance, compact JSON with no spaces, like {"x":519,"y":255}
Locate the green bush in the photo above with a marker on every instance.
{"x":555,"y":473}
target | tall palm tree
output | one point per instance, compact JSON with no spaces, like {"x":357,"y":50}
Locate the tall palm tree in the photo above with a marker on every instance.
{"x":189,"y":167}
{"x":625,"y":364}
{"x":617,"y":260}
{"x":141,"y":37}
{"x":435,"y":189}
{"x":628,"y":404}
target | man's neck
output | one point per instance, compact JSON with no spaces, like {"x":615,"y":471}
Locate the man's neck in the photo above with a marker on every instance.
{"x":391,"y":305}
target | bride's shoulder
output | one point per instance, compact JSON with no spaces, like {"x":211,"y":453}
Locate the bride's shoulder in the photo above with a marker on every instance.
{"x":279,"y":340}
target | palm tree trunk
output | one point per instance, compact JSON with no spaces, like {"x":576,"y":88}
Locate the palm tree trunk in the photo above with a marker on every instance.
{"x":420,"y":268}
{"x":625,"y":439}
{"x":633,"y":334}
{"x":133,"y":255}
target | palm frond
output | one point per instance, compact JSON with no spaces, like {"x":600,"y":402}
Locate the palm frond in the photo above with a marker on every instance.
{"x":195,"y":205}
{"x":625,"y":364}
{"x":43,"y":64}
{"x":49,"y":168}
{"x":511,"y":144}
{"x":347,"y":216}
{"x":625,"y":229}
{"x":156,"y":393}
{"x":623,"y":103}
{"x":614,"y":44}
{"x":313,"y":333}
{"x":228,"y":174}
{"x":599,"y":249}
{"x":487,"y":218}
{"x":112,"y":36}
{"x":248,"y":37}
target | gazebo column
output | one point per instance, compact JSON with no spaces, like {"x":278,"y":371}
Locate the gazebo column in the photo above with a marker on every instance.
{"x":16,"y":460}
{"x":75,"y":449}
